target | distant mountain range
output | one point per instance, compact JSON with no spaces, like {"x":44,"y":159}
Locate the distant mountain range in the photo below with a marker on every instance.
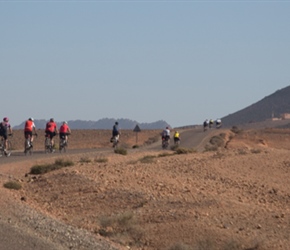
{"x":272,"y":106}
{"x":105,"y":123}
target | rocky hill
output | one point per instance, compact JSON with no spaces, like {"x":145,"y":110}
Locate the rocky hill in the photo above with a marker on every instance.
{"x":272,"y":106}
{"x":105,"y":123}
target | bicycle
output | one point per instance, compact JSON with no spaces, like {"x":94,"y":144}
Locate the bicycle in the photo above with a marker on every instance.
{"x":176,"y":141}
{"x":165,"y":142}
{"x":115,"y":141}
{"x":3,"y":149}
{"x":28,"y":147}
{"x":48,"y":147}
{"x":63,"y":144}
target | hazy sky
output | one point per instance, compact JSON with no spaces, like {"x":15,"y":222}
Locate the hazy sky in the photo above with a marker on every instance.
{"x":178,"y":61}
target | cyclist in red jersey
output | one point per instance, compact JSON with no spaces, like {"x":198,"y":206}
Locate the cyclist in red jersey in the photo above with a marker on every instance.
{"x":64,"y":131}
{"x":29,"y":127}
{"x":51,"y":130}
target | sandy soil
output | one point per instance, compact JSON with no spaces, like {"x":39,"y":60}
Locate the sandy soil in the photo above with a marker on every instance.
{"x":233,"y":195}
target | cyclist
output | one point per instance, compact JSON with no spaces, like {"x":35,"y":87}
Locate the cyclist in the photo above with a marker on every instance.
{"x":29,"y":127}
{"x":205,"y":124}
{"x":211,"y":122}
{"x":64,"y":131}
{"x":176,"y":137}
{"x":166,"y":134}
{"x":5,"y":127}
{"x":218,"y":123}
{"x":51,"y":130}
{"x":116,"y":132}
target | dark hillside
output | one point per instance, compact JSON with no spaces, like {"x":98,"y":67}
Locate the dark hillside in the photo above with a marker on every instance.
{"x":270,"y":106}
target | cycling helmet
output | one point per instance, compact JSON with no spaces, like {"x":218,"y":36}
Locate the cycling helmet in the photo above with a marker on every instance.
{"x":64,"y":122}
{"x":116,"y":123}
{"x":31,"y":119}
{"x":6,"y":119}
{"x":51,"y":119}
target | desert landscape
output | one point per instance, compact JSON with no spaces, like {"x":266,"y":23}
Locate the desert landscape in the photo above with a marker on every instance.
{"x":223,"y":189}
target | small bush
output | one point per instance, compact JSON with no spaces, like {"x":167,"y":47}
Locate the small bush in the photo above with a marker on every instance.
{"x":85,"y":159}
{"x":256,"y":151}
{"x":236,"y":130}
{"x":45,"y":168}
{"x":122,"y":226}
{"x":217,"y":141}
{"x":148,"y":159}
{"x":63,"y":163}
{"x":12,"y":185}
{"x":184,"y":150}
{"x":121,"y":151}
{"x":101,"y":159}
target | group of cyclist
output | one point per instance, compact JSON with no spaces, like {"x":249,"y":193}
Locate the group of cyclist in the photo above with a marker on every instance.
{"x":210,"y":123}
{"x":51,"y":131}
{"x":165,"y":136}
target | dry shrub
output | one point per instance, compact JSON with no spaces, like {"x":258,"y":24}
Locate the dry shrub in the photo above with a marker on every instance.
{"x":148,"y":159}
{"x":12,"y":185}
{"x":123,"y":228}
{"x":121,"y":151}
{"x":85,"y":159}
{"x":236,"y":130}
{"x":45,"y":168}
{"x":101,"y":159}
{"x":256,"y":151}
{"x":217,"y":141}
{"x":180,"y":150}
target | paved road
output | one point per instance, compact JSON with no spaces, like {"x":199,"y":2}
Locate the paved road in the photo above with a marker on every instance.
{"x":191,"y":138}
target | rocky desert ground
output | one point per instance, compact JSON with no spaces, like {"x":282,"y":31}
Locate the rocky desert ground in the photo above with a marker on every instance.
{"x":230,"y":192}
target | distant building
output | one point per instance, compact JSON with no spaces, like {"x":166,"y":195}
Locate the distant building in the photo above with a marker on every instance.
{"x":285,"y":116}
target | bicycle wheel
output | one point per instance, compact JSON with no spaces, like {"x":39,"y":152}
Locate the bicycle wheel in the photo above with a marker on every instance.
{"x":26,"y":146}
{"x":47,"y":146}
{"x":1,"y":148}
{"x":62,"y":146}
{"x":8,"y":148}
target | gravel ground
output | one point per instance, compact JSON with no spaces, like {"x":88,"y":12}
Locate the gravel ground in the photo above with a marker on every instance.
{"x":24,"y":227}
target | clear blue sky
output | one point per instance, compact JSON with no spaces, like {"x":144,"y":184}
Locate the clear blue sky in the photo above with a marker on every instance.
{"x":178,"y":61}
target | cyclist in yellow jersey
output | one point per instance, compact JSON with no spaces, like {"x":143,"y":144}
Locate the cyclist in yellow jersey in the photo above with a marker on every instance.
{"x":176,"y":137}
